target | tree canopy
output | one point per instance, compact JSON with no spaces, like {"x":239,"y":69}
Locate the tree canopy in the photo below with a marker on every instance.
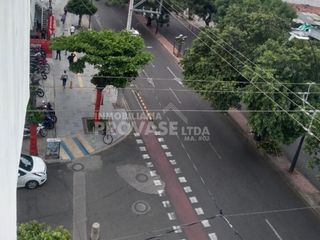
{"x":39,"y":231}
{"x":247,"y":58}
{"x":81,"y":7}
{"x":116,"y":55}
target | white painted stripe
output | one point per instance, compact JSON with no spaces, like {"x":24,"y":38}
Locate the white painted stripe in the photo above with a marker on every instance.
{"x":173,"y":162}
{"x":145,"y":156}
{"x":205,"y":223}
{"x":136,"y":134}
{"x":153,"y":126}
{"x":193,"y":199}
{"x":153,"y":173}
{"x":273,"y":229}
{"x":177,"y":229}
{"x":166,"y":204}
{"x":139,"y":141}
{"x":168,"y":154}
{"x":157,"y":133}
{"x":213,"y":236}
{"x":177,"y":170}
{"x":174,"y":94}
{"x":165,"y":147}
{"x":160,"y":139}
{"x":202,"y":180}
{"x":157,"y":182}
{"x":215,"y":150}
{"x":187,"y":189}
{"x":199,"y":211}
{"x":171,"y":216}
{"x":142,"y":149}
{"x":149,"y":164}
{"x":182,"y":179}
{"x":161,"y":193}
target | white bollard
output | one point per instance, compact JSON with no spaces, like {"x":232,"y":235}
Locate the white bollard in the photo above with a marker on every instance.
{"x":95,"y":231}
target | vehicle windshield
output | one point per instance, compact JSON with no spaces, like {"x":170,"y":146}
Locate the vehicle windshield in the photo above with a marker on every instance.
{"x":26,"y":162}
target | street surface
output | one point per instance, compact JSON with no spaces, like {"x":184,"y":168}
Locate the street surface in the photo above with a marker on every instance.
{"x":202,"y":180}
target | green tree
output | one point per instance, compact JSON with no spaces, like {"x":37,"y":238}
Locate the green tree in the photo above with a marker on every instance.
{"x":81,"y":7}
{"x":116,"y":55}
{"x":39,"y":231}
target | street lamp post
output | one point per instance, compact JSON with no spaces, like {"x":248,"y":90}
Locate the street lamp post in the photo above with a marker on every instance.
{"x":179,"y":40}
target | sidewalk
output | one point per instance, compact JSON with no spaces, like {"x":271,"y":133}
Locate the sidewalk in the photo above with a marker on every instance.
{"x":73,"y":104}
{"x":296,"y":180}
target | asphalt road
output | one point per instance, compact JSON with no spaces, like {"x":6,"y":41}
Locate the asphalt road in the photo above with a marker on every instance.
{"x":235,"y":178}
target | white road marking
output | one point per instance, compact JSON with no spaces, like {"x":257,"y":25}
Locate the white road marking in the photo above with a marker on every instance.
{"x":273,"y":229}
{"x":175,"y":95}
{"x":139,"y":141}
{"x":153,"y":126}
{"x":142,"y":149}
{"x":182,"y":145}
{"x":205,"y":223}
{"x":157,"y":133}
{"x":157,"y":182}
{"x":149,"y":164}
{"x":173,"y":162}
{"x":165,"y":147}
{"x":137,"y":99}
{"x":161,"y":193}
{"x":195,"y":167}
{"x":215,"y":150}
{"x":152,"y":65}
{"x":166,"y":204}
{"x":153,"y":173}
{"x":213,"y":236}
{"x":145,"y":156}
{"x":193,"y":199}
{"x":187,"y":189}
{"x":202,"y":180}
{"x":149,"y":47}
{"x":171,"y":216}
{"x":182,"y":179}
{"x":177,"y":229}
{"x":171,"y":72}
{"x":199,"y":211}
{"x":168,"y":154}
{"x":160,"y":139}
{"x":136,"y":134}
{"x":177,"y":170}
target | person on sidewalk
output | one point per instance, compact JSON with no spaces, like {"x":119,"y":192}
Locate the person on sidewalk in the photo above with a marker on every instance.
{"x":71,"y":58}
{"x":63,"y":18}
{"x":72,"y":29}
{"x":64,"y":78}
{"x":58,"y":54}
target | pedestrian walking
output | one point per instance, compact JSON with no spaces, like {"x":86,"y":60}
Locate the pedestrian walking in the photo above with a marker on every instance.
{"x":63,"y":18}
{"x":72,"y":29}
{"x":58,"y":54}
{"x":71,"y":58}
{"x":64,"y":78}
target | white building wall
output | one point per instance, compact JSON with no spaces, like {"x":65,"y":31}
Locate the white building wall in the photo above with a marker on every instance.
{"x":14,"y":95}
{"x":315,"y":3}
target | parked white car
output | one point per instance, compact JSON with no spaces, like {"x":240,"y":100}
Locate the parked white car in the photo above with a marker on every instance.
{"x":32,"y":172}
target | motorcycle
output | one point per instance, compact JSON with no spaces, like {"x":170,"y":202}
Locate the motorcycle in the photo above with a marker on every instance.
{"x":48,"y":122}
{"x":40,"y":131}
{"x":49,"y":110}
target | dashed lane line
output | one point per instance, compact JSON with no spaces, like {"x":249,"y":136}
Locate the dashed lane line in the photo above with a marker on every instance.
{"x":273,"y":229}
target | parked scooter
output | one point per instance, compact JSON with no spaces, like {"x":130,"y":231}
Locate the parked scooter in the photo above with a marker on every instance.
{"x":40,"y":131}
{"x":49,"y":110}
{"x":48,"y":122}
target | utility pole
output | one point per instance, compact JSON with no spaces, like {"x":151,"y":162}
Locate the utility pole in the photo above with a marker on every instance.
{"x":130,"y":11}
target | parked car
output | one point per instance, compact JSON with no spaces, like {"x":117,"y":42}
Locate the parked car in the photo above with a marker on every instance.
{"x":32,"y":172}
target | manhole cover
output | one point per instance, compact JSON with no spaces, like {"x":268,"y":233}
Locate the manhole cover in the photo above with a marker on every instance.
{"x":77,"y":167}
{"x":141,"y":177}
{"x":140,"y":207}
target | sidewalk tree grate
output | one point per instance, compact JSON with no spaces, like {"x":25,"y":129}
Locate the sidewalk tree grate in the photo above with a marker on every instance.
{"x":140,"y":207}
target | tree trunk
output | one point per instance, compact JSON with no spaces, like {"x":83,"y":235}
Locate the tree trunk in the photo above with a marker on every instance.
{"x":97,"y":106}
{"x":80,"y":18}
{"x":33,"y":150}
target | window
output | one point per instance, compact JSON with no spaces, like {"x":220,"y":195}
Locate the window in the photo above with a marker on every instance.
{"x":26,"y":162}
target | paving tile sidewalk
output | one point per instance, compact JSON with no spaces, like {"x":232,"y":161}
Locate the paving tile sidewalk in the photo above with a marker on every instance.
{"x":76,"y":102}
{"x":296,"y":180}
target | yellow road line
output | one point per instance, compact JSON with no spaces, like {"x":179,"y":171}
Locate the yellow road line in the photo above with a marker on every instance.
{"x":73,"y":147}
{"x":85,"y":143}
{"x":63,"y":154}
